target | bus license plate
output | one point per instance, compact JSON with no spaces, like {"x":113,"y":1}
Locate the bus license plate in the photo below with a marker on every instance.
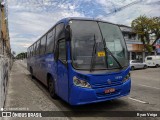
{"x":111,"y":90}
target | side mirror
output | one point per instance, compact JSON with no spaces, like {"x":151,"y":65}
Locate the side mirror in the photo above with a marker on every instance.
{"x":68,"y":32}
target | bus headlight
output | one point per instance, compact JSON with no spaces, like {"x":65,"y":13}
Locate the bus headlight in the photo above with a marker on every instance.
{"x":127,"y":77}
{"x":81,"y":83}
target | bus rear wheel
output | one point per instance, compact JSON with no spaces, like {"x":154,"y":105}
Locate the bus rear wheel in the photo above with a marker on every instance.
{"x":51,"y":87}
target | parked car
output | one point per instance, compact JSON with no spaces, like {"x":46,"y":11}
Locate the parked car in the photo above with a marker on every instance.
{"x":137,"y":64}
{"x":153,"y":61}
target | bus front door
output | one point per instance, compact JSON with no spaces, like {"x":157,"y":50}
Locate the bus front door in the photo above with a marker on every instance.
{"x":62,"y":71}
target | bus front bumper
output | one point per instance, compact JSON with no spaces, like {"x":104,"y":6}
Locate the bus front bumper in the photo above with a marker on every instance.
{"x":80,"y":96}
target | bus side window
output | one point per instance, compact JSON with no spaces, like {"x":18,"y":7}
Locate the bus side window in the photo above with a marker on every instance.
{"x":28,"y":52}
{"x":32,"y":50}
{"x":62,"y":50}
{"x":38,"y":47}
{"x":60,"y":32}
{"x":35,"y":44}
{"x":50,"y":41}
{"x":43,"y":45}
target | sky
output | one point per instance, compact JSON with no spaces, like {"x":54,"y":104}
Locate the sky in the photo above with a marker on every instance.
{"x":30,"y":19}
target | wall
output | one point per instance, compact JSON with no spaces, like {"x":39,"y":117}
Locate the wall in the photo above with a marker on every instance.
{"x":5,"y":54}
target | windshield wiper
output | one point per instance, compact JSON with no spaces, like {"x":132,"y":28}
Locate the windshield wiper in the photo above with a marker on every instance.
{"x":112,"y":54}
{"x":93,"y":54}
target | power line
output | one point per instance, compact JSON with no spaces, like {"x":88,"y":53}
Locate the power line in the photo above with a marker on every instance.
{"x":123,"y":7}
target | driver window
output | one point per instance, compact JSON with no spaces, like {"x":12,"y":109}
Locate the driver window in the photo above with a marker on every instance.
{"x":62,"y":50}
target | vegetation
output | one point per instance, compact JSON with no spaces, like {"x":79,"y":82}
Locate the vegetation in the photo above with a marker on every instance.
{"x":21,"y":55}
{"x":145,"y":27}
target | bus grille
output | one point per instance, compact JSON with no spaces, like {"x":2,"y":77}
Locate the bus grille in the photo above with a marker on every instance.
{"x":102,"y":85}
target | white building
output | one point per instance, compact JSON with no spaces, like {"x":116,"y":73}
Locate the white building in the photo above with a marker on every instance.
{"x":134,"y":45}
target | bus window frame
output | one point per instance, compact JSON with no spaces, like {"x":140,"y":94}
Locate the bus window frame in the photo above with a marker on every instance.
{"x":57,"y":51}
{"x":56,"y":47}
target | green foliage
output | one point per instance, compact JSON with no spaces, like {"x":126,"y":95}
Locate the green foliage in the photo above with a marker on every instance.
{"x":21,"y":55}
{"x":144,"y":27}
{"x":155,"y":27}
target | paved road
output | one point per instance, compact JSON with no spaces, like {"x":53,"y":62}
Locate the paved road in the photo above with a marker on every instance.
{"x":25,"y":92}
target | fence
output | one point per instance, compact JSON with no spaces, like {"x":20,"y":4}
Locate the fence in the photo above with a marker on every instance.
{"x":5,"y":66}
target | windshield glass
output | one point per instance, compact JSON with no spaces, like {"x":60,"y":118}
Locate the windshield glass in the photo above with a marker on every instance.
{"x":89,"y":42}
{"x":115,"y":42}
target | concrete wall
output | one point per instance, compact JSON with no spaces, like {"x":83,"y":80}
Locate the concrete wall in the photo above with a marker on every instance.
{"x":4,"y":75}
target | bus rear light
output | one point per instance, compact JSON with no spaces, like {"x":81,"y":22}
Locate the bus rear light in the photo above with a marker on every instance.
{"x":80,"y":83}
{"x":127,"y":77}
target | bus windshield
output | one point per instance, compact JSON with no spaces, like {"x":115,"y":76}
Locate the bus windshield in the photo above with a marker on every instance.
{"x":97,"y":45}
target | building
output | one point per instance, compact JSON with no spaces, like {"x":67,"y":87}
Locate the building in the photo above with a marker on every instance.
{"x":5,"y":52}
{"x":4,"y":32}
{"x":157,"y":46}
{"x":134,"y":45}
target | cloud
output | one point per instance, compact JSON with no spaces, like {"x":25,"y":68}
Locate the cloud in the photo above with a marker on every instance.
{"x":28,"y":20}
{"x":26,"y":26}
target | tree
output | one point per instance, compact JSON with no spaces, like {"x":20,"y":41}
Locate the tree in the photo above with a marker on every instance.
{"x":21,"y":55}
{"x":155,"y":28}
{"x":145,"y":27}
{"x":141,"y":26}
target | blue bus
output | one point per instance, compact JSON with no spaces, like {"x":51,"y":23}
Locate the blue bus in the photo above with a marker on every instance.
{"x":82,"y":61}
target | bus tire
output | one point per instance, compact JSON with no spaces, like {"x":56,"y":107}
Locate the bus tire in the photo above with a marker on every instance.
{"x":51,"y":87}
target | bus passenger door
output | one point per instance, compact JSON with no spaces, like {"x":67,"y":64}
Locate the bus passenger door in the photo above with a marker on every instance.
{"x":62,"y":72}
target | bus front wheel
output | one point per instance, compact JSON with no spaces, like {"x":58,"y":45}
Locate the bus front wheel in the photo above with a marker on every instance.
{"x":51,"y":87}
